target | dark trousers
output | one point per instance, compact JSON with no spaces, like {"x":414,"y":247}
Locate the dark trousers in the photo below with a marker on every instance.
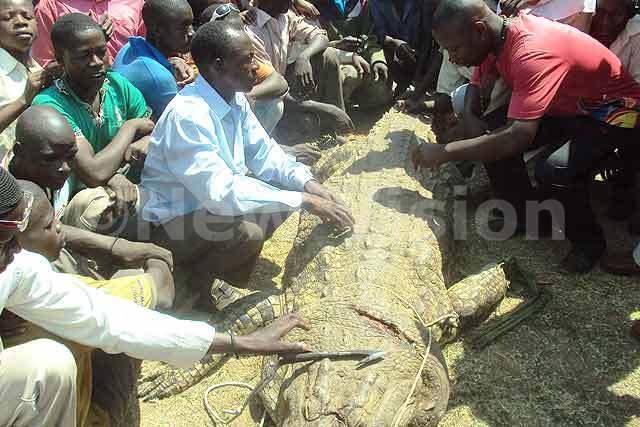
{"x":207,"y":246}
{"x":577,"y":149}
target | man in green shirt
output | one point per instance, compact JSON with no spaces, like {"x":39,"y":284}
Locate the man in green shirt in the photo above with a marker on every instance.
{"x":108,"y":115}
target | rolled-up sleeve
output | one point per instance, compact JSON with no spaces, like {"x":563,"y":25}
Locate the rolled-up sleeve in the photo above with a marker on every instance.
{"x":62,"y":305}
{"x":200,"y":168}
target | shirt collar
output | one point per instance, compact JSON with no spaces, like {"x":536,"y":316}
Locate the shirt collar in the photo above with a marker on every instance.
{"x":262,"y":18}
{"x":139,"y":46}
{"x":212,"y":98}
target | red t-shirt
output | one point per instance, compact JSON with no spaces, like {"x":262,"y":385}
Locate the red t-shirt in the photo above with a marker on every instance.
{"x":554,"y":69}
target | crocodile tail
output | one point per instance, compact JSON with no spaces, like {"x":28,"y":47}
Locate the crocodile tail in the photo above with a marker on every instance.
{"x":242,"y":317}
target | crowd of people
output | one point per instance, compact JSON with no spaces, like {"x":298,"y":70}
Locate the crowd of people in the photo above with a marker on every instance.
{"x":143,"y":135}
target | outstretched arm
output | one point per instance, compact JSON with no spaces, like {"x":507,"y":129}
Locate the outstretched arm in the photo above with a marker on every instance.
{"x":509,"y":141}
{"x":59,"y":304}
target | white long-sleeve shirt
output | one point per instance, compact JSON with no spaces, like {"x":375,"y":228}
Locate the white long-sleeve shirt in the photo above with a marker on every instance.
{"x":201,"y":152}
{"x":66,"y":307}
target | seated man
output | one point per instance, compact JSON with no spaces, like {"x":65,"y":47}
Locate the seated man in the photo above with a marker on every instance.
{"x":145,"y":62}
{"x":200,"y":200}
{"x":107,"y":113}
{"x":43,"y":154}
{"x":366,"y":75}
{"x":120,"y":20}
{"x":565,"y":85}
{"x":314,"y":75}
{"x":62,"y":305}
{"x":404,"y":27}
{"x":153,"y":290}
{"x":21,"y":77}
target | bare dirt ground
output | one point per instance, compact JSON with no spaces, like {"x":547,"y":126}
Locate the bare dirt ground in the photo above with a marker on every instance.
{"x":573,"y":364}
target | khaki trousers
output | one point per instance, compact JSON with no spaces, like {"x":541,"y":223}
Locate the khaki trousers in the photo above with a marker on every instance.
{"x":37,"y":385}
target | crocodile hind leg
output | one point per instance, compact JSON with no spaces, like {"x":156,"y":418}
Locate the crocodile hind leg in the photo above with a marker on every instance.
{"x":242,"y":317}
{"x":475,"y":298}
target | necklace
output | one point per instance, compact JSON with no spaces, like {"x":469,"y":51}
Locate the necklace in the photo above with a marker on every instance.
{"x":503,"y":30}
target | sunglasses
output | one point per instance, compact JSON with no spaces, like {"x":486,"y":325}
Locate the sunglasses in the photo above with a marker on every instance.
{"x":222,"y":11}
{"x":24,"y":222}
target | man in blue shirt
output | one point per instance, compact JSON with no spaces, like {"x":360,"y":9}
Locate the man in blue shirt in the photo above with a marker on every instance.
{"x":215,"y":185}
{"x":145,"y":61}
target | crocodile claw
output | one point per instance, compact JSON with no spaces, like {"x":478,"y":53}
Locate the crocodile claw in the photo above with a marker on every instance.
{"x":162,"y":385}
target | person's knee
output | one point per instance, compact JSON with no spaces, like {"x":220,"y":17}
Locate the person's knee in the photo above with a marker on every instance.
{"x":163,"y":283}
{"x":59,"y":365}
{"x":330,"y":58}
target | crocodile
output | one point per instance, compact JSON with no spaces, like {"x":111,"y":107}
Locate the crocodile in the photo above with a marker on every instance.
{"x":381,"y":286}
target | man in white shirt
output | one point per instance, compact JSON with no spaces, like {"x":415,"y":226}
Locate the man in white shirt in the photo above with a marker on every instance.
{"x":37,"y":380}
{"x":215,"y":184}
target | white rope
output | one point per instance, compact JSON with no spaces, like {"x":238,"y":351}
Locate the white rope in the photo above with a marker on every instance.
{"x":403,"y":408}
{"x":213,"y":414}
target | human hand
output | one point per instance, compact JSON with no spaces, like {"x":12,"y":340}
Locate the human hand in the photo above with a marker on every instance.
{"x":304,"y":73}
{"x":429,"y":156}
{"x":412,"y":105}
{"x":135,"y":255}
{"x":35,"y":83}
{"x":249,"y":16}
{"x":512,"y":7}
{"x":380,"y":71}
{"x":137,"y":151}
{"x":328,"y":211}
{"x":306,"y":8}
{"x":349,"y":44}
{"x":268,"y":340}
{"x":182,"y":72}
{"x":123,"y":193}
{"x":337,"y":118}
{"x":304,"y":153}
{"x":405,"y":53}
{"x":106,"y":24}
{"x":317,"y":189}
{"x":361,"y":66}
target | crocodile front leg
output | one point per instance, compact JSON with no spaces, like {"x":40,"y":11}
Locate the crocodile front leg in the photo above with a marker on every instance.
{"x":242,"y":317}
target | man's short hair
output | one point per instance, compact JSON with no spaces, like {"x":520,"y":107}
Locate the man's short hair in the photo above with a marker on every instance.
{"x":214,"y":40}
{"x":162,"y":10}
{"x":10,"y":192}
{"x":64,"y":30}
{"x":456,"y":13}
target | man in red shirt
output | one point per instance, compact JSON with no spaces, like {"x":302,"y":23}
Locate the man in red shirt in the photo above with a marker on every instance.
{"x":565,"y":87}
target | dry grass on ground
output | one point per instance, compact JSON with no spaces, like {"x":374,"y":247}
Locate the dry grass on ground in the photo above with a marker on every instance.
{"x":571,"y":365}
